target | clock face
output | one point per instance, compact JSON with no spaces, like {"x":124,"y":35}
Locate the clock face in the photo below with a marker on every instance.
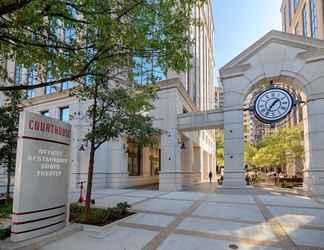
{"x":273,"y":105}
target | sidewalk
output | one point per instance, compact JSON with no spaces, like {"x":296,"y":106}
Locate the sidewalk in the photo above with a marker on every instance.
{"x":204,"y":220}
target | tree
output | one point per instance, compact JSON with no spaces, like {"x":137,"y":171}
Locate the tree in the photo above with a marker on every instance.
{"x":109,"y":47}
{"x":220,"y":149}
{"x":9,"y":118}
{"x":274,"y":148}
{"x":116,"y":112}
{"x":249,"y":152}
{"x":68,"y":39}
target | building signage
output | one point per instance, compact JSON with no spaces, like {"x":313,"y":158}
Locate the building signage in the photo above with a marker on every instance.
{"x":42,"y":176}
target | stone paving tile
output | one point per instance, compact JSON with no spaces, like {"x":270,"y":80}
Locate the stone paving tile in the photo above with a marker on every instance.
{"x":164,"y":206}
{"x":260,"y":232}
{"x":146,"y":193}
{"x":151,"y":219}
{"x":305,"y":237}
{"x":231,"y":198}
{"x":184,"y":196}
{"x":74,"y":197}
{"x":112,"y":201}
{"x":243,"y":212}
{"x":118,"y":238}
{"x":289,"y":200}
{"x":112,"y":191}
{"x":298,"y":216}
{"x":184,"y":242}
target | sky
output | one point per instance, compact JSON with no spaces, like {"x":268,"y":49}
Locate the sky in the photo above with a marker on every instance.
{"x":240,"y":23}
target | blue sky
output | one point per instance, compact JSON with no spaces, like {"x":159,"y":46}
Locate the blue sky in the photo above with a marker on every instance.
{"x":240,"y":23}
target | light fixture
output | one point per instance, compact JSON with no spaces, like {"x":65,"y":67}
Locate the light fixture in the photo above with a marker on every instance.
{"x":82,"y":148}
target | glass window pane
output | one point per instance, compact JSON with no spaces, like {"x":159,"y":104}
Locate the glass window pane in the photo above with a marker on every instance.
{"x":45,"y":113}
{"x":64,"y":114}
{"x":32,"y":80}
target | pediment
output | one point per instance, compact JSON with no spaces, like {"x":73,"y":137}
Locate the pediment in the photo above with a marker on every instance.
{"x":300,"y":46}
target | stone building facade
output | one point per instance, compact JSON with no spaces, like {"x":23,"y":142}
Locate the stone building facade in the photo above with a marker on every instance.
{"x":180,"y":159}
{"x":303,"y":17}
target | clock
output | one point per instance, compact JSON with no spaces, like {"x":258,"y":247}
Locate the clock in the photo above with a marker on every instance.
{"x":273,"y":105}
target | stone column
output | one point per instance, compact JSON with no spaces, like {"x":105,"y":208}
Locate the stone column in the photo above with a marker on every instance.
{"x":314,"y":146}
{"x":187,"y":162}
{"x":171,"y":175}
{"x":196,"y":167}
{"x":234,"y":175}
{"x":117,"y":158}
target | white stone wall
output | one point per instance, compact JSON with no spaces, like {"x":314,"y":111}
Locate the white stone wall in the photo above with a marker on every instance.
{"x":299,"y":63}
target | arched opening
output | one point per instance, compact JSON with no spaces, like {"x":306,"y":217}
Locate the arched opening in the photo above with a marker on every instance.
{"x":274,"y":154}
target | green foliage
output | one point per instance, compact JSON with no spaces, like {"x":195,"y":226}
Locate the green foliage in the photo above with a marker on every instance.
{"x":220,"y":149}
{"x":254,"y":179}
{"x":249,"y":152}
{"x":274,"y":149}
{"x":121,"y":111}
{"x":5,"y":210}
{"x":9,"y":119}
{"x":5,"y":233}
{"x":286,"y":185}
{"x":106,"y":38}
{"x":98,"y":216}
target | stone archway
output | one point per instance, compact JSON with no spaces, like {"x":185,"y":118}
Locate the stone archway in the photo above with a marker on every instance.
{"x":276,"y":55}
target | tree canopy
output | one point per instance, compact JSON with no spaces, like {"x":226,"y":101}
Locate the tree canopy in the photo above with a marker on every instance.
{"x":69,"y":39}
{"x":274,"y":149}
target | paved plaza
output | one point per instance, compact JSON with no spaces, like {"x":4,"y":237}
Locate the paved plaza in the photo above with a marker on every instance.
{"x":250,"y":219}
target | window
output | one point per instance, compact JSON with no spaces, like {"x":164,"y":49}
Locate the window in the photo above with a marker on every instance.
{"x":289,"y":11}
{"x":305,"y":23}
{"x":135,"y":166}
{"x":18,"y":74}
{"x":65,"y":114}
{"x":45,"y":113}
{"x":285,"y":19}
{"x":146,"y":70}
{"x":313,"y":14}
{"x":52,"y":88}
{"x":57,"y":87}
{"x":69,"y":34}
{"x":32,"y":79}
{"x":296,"y":3}
{"x":67,"y":85}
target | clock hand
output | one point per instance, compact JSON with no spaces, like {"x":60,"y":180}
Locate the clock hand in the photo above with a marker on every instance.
{"x":271,"y":106}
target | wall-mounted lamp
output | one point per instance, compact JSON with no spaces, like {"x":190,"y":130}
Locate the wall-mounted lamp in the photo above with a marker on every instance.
{"x":83,"y":146}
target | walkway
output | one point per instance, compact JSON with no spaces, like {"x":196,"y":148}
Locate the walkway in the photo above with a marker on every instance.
{"x":253,"y":219}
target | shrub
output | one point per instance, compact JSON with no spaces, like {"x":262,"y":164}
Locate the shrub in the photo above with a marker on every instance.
{"x":285,"y":184}
{"x":4,"y":233}
{"x":98,"y":216}
{"x":5,"y":210}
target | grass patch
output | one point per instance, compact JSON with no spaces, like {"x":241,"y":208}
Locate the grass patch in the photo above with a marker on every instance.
{"x":99,"y":216}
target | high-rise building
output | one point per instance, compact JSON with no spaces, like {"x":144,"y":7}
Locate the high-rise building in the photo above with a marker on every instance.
{"x":303,"y":17}
{"x":122,"y":163}
{"x":219,"y":95}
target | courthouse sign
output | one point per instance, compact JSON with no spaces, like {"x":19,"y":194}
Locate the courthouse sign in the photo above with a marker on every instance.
{"x":42,"y":176}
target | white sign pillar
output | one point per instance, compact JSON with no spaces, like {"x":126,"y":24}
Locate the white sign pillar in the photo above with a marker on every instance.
{"x":42,"y":176}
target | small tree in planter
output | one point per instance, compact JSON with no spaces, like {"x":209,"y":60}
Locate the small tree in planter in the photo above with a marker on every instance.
{"x":9,"y":119}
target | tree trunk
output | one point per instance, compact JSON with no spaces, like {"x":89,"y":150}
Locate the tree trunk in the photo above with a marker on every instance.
{"x":92,"y":154}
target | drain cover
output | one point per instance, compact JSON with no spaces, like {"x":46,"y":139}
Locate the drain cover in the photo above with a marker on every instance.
{"x":233,"y":246}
